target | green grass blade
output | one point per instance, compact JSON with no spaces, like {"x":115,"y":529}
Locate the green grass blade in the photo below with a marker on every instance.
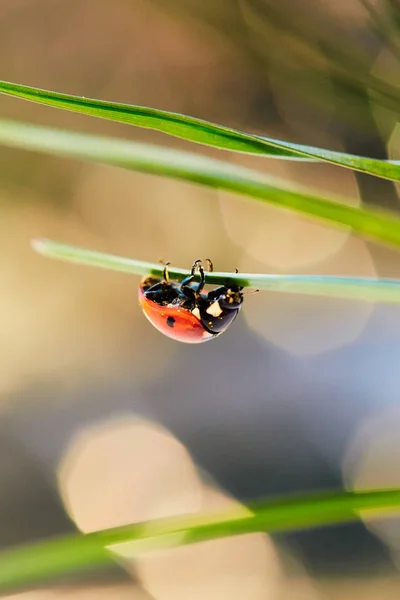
{"x":181,"y":126}
{"x":213,"y":173}
{"x":358,"y":288}
{"x":199,"y":131}
{"x":43,"y":560}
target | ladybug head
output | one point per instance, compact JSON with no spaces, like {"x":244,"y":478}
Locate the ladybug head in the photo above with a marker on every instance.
{"x":232,"y":298}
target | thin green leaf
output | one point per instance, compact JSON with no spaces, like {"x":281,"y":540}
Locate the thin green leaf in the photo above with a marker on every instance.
{"x":199,"y":169}
{"x":202,"y":132}
{"x":36,"y":562}
{"x":358,"y":288}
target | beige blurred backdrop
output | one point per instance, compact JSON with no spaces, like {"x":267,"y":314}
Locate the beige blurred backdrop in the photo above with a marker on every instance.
{"x":102,"y":420}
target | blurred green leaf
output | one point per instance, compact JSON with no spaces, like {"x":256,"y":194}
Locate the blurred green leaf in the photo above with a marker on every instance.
{"x":36,"y":562}
{"x":202,"y":132}
{"x":374,"y":290}
{"x":198,"y":169}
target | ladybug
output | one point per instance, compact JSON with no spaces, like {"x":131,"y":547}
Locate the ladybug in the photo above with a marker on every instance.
{"x":183,"y":312}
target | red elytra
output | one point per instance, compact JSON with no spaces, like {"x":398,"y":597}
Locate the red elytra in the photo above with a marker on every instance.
{"x":183,"y":313}
{"x":174,"y":322}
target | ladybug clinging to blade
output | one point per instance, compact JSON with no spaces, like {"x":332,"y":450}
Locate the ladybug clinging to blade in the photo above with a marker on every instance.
{"x":183,"y":312}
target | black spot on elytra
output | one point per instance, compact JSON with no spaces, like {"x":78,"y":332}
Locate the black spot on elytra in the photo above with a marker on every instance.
{"x":170,"y":321}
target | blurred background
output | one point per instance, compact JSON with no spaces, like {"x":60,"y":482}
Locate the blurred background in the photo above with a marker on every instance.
{"x":103,"y":421}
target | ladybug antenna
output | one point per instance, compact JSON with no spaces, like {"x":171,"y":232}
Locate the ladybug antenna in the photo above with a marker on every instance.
{"x":241,"y":288}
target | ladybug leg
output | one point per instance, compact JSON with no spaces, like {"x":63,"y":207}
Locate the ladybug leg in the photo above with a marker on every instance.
{"x":216,"y":293}
{"x":165,"y":271}
{"x":196,"y":266}
{"x":156,"y":293}
{"x":189,"y":292}
{"x":202,"y":280}
{"x":193,"y":270}
{"x":189,"y":279}
{"x":157,"y":287}
{"x":210,"y":265}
